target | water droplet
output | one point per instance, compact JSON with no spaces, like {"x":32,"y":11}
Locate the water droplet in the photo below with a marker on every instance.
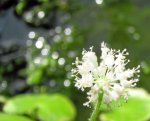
{"x":67,"y":31}
{"x":37,"y":60}
{"x":61,"y":61}
{"x":57,"y":38}
{"x":44,"y":51}
{"x":66,"y":83}
{"x":58,"y":29}
{"x":31,"y":35}
{"x":41,"y":14}
{"x":28,"y":16}
{"x":39,"y":42}
{"x":131,"y":29}
{"x":136,"y":36}
{"x":55,"y":55}
{"x":99,"y":1}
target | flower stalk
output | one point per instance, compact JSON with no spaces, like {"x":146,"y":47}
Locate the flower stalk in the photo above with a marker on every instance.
{"x":96,"y":111}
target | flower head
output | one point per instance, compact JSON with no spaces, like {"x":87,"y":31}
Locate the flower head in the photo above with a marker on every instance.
{"x":109,"y":77}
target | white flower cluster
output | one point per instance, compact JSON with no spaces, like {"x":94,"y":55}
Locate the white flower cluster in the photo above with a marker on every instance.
{"x":109,"y":77}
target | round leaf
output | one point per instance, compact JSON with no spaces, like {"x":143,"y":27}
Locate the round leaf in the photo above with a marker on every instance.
{"x":7,"y":117}
{"x":137,"y":108}
{"x":46,"y":107}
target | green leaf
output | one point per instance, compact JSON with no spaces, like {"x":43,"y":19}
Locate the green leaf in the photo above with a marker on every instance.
{"x":21,"y":104}
{"x":7,"y":117}
{"x":3,"y":99}
{"x":35,"y":77}
{"x":45,"y":107}
{"x":61,"y":109}
{"x":137,"y":108}
{"x":20,"y":7}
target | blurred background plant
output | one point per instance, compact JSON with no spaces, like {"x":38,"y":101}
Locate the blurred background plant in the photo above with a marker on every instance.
{"x":39,"y":40}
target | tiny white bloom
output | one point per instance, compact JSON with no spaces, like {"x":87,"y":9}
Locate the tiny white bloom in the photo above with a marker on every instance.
{"x":84,"y":81}
{"x":109,"y":77}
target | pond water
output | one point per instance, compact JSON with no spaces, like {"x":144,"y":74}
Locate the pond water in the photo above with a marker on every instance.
{"x":14,"y":30}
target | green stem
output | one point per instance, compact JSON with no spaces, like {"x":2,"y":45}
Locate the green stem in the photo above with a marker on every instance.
{"x":96,"y":110}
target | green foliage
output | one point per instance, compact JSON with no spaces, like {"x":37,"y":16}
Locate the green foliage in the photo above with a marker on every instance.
{"x":146,"y":68}
{"x":122,"y":23}
{"x":137,"y":108}
{"x":54,"y":59}
{"x":42,"y":106}
{"x":29,"y":11}
{"x":7,"y":117}
{"x":35,"y":77}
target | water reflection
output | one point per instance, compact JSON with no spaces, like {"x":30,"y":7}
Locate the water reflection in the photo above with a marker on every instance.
{"x":67,"y":83}
{"x":44,"y":51}
{"x":61,"y":61}
{"x":67,"y":31}
{"x":38,"y":60}
{"x":99,"y":1}
{"x":41,"y":14}
{"x":55,"y":55}
{"x":31,"y":35}
{"x":39,"y":43}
